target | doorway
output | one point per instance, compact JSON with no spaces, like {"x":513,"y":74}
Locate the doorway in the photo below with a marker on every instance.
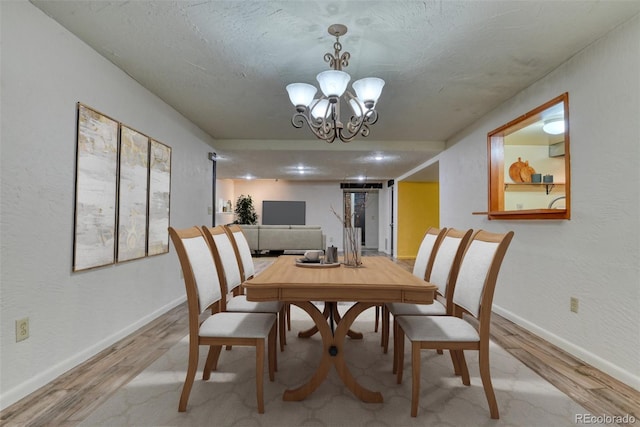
{"x":361,"y":211}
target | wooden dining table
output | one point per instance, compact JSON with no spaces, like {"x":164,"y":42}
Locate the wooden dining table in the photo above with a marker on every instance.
{"x":377,"y":281}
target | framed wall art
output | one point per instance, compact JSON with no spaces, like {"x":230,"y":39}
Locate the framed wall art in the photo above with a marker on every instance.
{"x":132,"y":194}
{"x":96,"y":190}
{"x":159,"y":197}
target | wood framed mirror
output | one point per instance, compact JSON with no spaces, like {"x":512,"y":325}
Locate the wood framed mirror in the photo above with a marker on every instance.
{"x":529,"y":165}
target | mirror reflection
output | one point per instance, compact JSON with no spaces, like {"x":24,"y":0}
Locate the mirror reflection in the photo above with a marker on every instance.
{"x":529,"y":165}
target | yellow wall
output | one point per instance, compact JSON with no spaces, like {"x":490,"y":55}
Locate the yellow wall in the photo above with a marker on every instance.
{"x":418,"y":209}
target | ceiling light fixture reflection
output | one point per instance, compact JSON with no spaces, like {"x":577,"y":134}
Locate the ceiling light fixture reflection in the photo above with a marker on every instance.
{"x":553,"y":126}
{"x":322,"y":114}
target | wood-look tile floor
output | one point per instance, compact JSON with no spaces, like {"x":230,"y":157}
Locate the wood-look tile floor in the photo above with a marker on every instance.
{"x":72,"y":397}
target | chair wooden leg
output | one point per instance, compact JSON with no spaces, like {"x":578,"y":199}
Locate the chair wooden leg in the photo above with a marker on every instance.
{"x":377,"y":321}
{"x":485,"y":375}
{"x":439,"y":351}
{"x":464,"y":371}
{"x":191,"y":374}
{"x":455,"y":362}
{"x":273,"y":354}
{"x":415,"y":377}
{"x":395,"y":345}
{"x":212,"y":361}
{"x":288,"y":310}
{"x":398,"y":349}
{"x":260,"y":374}
{"x":385,"y":329}
{"x":281,"y":329}
{"x":229,"y":347}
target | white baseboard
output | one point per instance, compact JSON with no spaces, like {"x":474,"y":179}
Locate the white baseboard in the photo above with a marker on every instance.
{"x":10,"y":397}
{"x":579,"y":352}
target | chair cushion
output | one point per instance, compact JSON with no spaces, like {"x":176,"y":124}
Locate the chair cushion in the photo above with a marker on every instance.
{"x":438,"y":328}
{"x":405,"y":309}
{"x":240,"y":303}
{"x":237,"y":325}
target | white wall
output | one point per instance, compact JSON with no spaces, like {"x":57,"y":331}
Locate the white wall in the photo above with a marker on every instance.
{"x":595,"y":255}
{"x":45,"y":71}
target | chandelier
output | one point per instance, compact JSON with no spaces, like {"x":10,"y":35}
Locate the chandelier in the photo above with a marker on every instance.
{"x":322,"y":114}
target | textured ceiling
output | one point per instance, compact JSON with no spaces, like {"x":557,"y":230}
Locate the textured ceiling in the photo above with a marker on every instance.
{"x":225,"y":64}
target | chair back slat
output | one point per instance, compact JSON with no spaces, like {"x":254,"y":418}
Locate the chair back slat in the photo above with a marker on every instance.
{"x":426,"y":252}
{"x":479,"y":270}
{"x":198,"y":267}
{"x":248,"y":269}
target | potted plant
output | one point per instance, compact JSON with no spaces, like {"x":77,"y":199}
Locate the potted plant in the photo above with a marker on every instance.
{"x":245,"y":211}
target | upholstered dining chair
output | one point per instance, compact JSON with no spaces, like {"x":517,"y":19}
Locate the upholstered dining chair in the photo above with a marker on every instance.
{"x":442,"y":273}
{"x":247,"y":268}
{"x":222,"y":246}
{"x":472,"y":295}
{"x":202,"y":282}
{"x":421,"y":268}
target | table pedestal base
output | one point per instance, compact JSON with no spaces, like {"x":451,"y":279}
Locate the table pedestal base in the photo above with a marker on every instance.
{"x":333,"y":353}
{"x":329,"y":307}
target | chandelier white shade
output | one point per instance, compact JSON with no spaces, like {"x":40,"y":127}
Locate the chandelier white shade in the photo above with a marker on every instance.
{"x":333,"y":82}
{"x":369,"y":89}
{"x":322,"y":115}
{"x":301,"y":93}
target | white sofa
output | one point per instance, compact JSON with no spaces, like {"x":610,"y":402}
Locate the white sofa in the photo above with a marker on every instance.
{"x":284,"y":237}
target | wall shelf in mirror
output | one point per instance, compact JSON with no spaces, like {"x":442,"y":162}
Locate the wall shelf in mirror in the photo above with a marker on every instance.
{"x":529,"y":142}
{"x":533,"y":186}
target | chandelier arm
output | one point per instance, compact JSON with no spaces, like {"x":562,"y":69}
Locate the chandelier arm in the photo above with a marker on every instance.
{"x":298,"y":120}
{"x":349,"y":97}
{"x":355,"y":126}
{"x":320,"y":128}
{"x":371,"y":117}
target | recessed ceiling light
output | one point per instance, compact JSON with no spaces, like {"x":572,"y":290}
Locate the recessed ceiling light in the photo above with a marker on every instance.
{"x":248,"y":177}
{"x":361,"y":178}
{"x":300,"y":168}
{"x":378,"y":157}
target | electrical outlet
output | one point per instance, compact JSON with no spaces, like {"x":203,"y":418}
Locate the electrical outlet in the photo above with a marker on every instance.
{"x":22,"y":329}
{"x":574,"y":304}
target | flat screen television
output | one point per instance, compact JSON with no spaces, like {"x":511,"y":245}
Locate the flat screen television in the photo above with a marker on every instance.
{"x":278,"y":212}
